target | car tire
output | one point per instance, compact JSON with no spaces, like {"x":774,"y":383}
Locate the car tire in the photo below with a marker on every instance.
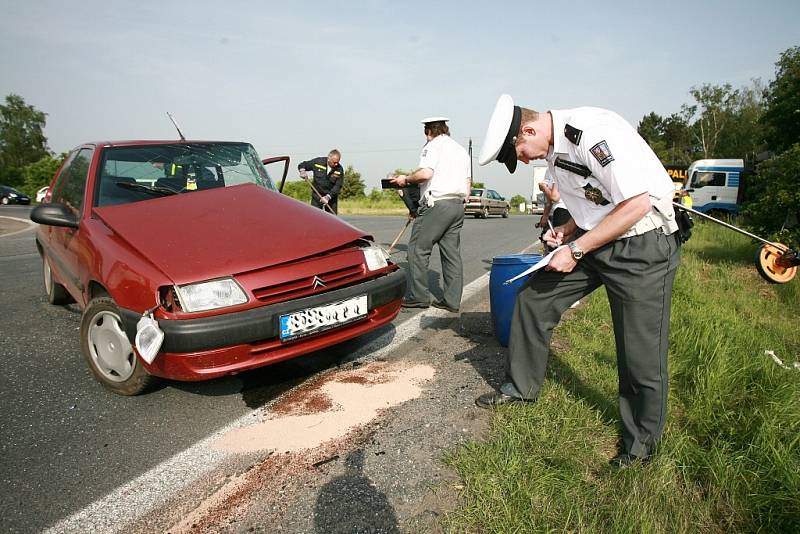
{"x":5,"y":201}
{"x":505,"y":213}
{"x":108,"y":351}
{"x":485,"y":214}
{"x":56,"y":293}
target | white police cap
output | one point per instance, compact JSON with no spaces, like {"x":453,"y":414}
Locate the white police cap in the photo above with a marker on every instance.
{"x":501,"y":136}
{"x":427,"y":120}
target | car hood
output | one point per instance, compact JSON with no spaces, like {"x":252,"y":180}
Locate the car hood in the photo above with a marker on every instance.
{"x":219,"y":232}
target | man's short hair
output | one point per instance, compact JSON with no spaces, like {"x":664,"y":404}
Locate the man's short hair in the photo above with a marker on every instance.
{"x":435,"y":129}
{"x":336,"y":153}
{"x":526,"y":116}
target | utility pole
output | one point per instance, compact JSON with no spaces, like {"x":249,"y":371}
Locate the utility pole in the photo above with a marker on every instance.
{"x":471,"y":177}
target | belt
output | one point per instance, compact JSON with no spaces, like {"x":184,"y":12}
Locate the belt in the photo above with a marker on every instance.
{"x":430,"y":201}
{"x":652,"y":221}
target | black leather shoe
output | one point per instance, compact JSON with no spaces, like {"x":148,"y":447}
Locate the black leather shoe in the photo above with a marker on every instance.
{"x":624,"y":460}
{"x":498,"y":398}
{"x":413,"y":304}
{"x":443,"y":306}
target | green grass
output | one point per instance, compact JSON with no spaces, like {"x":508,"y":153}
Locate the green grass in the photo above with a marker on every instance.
{"x":730,"y":456}
{"x":367,"y":206}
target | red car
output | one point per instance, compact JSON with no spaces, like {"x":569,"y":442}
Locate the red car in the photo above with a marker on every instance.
{"x":196,"y":235}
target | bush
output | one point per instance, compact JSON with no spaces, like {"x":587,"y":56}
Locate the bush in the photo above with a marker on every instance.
{"x":40,"y":173}
{"x":775,"y":211}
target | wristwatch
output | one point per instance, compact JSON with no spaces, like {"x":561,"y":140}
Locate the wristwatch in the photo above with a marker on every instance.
{"x":577,"y":253}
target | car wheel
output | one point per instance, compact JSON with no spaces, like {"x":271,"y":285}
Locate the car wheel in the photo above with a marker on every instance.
{"x":109,"y":352}
{"x":56,"y":293}
{"x":485,"y":213}
{"x":505,"y":213}
{"x":5,"y":201}
{"x":476,"y":215}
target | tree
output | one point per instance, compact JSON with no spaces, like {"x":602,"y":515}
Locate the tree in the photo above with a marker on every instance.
{"x":516,"y":200}
{"x":353,"y":186}
{"x":651,"y":128}
{"x":40,"y":173}
{"x":478,"y":185}
{"x":714,"y":102}
{"x":678,"y":137}
{"x":782,"y":116}
{"x":22,"y":139}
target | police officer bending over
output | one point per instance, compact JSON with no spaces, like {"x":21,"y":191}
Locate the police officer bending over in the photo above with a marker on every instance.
{"x":622,"y":235}
{"x":444,"y":178}
{"x":328,"y":179}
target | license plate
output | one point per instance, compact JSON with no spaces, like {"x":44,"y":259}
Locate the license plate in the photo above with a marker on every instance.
{"x":312,"y":320}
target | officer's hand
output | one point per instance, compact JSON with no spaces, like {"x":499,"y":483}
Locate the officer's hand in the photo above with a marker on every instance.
{"x":562,"y":261}
{"x":303,"y":173}
{"x":399,"y":180}
{"x":325,"y":199}
{"x":554,"y":239}
{"x":550,"y":191}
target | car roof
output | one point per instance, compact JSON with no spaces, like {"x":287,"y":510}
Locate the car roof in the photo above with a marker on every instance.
{"x":137,"y":142}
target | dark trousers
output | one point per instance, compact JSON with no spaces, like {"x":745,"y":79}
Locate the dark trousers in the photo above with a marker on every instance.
{"x":333,"y":203}
{"x":440,"y":224}
{"x":638,"y":273}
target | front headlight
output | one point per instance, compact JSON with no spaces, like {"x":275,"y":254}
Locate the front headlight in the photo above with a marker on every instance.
{"x":210,"y":295}
{"x":375,"y":257}
{"x":12,"y":195}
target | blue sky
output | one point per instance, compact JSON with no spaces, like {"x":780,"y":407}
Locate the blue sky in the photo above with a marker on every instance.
{"x":299,"y":78}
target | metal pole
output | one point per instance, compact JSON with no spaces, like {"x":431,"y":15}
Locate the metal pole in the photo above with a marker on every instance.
{"x":729,"y":226}
{"x":317,"y":192}
{"x":396,"y":239}
{"x":471,"y":177}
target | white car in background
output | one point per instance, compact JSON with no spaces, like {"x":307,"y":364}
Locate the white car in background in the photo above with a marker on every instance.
{"x":41,"y":193}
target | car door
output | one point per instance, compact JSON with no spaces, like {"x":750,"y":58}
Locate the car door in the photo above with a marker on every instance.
{"x":494,"y":202}
{"x":65,"y":246}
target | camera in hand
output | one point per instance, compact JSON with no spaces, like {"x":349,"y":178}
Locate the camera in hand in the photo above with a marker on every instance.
{"x":386,"y":183}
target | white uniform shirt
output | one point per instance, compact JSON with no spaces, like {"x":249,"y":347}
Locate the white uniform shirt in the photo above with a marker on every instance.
{"x":622,"y":164}
{"x":450,"y":165}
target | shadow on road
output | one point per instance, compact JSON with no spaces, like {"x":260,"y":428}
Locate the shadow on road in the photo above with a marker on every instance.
{"x":351,"y":503}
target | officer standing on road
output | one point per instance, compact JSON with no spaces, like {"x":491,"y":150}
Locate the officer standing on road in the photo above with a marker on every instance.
{"x":444,"y":178}
{"x":622,"y":235}
{"x":328,"y":178}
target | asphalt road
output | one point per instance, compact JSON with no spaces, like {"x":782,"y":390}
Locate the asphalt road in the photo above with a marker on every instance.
{"x":65,"y":441}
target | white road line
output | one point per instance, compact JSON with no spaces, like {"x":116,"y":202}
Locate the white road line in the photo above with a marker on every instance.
{"x":26,"y":221}
{"x":143,"y":494}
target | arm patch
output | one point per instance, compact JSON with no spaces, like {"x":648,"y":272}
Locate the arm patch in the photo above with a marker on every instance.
{"x":602,"y":153}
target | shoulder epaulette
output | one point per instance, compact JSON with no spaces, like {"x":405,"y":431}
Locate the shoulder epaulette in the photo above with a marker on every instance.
{"x":573,"y":134}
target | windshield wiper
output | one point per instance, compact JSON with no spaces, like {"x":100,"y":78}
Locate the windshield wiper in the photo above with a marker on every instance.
{"x":155,"y":191}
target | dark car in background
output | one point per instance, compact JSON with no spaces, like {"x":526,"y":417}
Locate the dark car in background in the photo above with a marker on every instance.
{"x":484,"y":202}
{"x":9,"y":195}
{"x":188,"y":248}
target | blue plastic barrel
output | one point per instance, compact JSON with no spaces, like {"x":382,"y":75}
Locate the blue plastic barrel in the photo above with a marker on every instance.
{"x":502,"y":297}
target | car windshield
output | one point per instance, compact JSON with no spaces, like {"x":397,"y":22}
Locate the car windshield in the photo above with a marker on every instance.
{"x":135,"y":173}
{"x":476,"y":192}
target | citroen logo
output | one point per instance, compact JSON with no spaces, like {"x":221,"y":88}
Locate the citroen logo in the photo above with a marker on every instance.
{"x":318,"y":283}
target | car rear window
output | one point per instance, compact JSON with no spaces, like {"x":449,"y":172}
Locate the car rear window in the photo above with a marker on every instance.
{"x":476,"y":192}
{"x":136,"y":173}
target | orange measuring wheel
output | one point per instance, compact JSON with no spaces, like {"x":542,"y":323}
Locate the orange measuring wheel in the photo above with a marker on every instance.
{"x":776,"y":263}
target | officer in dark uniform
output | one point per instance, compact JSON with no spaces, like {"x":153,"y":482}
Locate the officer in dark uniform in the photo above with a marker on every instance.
{"x":328,"y":178}
{"x":622,"y":235}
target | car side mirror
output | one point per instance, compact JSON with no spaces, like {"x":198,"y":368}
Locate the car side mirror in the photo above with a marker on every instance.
{"x":54,"y":214}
